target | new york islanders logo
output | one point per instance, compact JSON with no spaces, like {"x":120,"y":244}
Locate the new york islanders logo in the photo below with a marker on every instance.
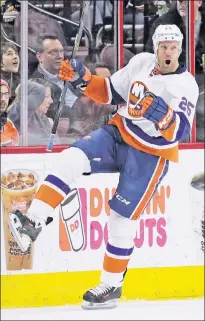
{"x":137,"y":92}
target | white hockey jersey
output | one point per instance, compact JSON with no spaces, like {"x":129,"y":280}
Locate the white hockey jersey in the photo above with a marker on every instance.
{"x":179,"y":90}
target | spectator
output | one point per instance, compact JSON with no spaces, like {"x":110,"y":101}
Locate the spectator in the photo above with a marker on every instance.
{"x":100,"y":13}
{"x":99,"y":69}
{"x":39,"y":24}
{"x":162,"y":7}
{"x":108,"y":54}
{"x":9,"y":11}
{"x":138,"y":7}
{"x":10,"y":66}
{"x":39,"y":101}
{"x":50,"y":54}
{"x":44,"y":23}
{"x":8,"y":132}
{"x":102,"y":70}
{"x":88,"y":115}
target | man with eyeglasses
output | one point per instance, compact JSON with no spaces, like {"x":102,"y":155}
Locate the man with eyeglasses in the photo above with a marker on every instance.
{"x":8,"y":132}
{"x":50,"y":54}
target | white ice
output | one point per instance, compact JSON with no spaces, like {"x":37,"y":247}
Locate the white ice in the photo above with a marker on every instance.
{"x":192,"y":309}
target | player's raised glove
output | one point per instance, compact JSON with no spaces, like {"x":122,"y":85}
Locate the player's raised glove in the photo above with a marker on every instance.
{"x":75,"y":72}
{"x":156,"y":109}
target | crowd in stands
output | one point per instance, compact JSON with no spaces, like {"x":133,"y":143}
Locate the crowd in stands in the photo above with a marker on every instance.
{"x":50,"y":42}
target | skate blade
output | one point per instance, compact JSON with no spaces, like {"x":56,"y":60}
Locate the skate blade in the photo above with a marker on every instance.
{"x":23,"y":240}
{"x":96,"y":306}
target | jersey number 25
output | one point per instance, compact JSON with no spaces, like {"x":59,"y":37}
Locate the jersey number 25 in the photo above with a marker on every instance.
{"x":186,"y":106}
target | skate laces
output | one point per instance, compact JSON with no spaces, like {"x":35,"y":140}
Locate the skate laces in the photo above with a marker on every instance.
{"x":101,"y":289}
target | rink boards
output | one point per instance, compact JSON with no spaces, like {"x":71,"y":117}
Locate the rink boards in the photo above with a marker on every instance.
{"x":168,"y":260}
{"x":67,"y":288}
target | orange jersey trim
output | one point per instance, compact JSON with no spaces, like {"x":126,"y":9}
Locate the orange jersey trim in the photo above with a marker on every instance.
{"x":150,"y":189}
{"x":168,"y":133}
{"x":97,"y":90}
{"x":170,"y":153}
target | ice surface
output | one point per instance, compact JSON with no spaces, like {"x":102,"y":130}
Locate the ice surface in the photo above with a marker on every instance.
{"x":192,"y":309}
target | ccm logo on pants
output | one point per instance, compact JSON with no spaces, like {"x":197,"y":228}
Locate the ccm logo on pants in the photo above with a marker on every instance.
{"x":121,"y":199}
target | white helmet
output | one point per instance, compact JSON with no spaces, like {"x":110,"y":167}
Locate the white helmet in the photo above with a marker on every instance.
{"x":166,"y":33}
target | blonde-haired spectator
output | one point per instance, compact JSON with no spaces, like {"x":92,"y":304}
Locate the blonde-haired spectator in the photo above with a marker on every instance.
{"x":8,"y":132}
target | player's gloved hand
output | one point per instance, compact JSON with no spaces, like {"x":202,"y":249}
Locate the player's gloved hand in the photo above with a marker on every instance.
{"x":156,"y":109}
{"x":75,"y":72}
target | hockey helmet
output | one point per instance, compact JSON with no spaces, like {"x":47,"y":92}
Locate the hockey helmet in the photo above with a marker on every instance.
{"x":166,"y":33}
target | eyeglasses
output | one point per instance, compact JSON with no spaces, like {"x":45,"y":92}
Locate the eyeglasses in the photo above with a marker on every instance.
{"x":7,"y":95}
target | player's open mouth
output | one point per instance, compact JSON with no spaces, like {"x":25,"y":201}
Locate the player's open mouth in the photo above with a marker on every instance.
{"x":167,"y":61}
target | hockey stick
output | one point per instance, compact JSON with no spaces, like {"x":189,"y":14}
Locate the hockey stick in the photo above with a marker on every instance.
{"x":63,"y":93}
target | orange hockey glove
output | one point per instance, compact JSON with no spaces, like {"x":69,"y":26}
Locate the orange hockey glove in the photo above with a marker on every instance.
{"x":75,"y":72}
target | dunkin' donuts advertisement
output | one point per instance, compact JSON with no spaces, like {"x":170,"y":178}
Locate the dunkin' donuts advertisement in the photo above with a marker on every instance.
{"x":82,"y":229}
{"x":18,"y":187}
{"x":170,"y":232}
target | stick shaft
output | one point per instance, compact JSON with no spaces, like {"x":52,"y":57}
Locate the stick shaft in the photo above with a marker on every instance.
{"x":63,"y":93}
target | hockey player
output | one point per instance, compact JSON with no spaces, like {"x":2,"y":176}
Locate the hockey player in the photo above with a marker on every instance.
{"x":159,"y":98}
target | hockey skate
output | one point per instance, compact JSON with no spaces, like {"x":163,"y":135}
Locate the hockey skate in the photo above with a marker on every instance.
{"x":24,"y":229}
{"x":101,"y":297}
